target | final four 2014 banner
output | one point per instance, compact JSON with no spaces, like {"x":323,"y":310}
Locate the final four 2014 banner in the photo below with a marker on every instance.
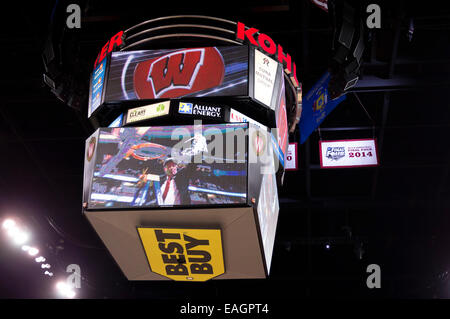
{"x":316,"y":106}
{"x":348,"y":153}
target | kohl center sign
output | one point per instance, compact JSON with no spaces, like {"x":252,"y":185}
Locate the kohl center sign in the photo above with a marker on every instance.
{"x":348,"y":153}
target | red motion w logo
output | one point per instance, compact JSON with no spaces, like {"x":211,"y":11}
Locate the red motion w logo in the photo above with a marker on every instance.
{"x":179,"y":73}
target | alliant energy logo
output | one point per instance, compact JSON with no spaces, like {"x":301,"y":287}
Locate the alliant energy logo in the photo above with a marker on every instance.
{"x":184,"y":254}
{"x":200,"y":110}
{"x":179,"y":73}
{"x":335,"y":153}
{"x":185,"y":108}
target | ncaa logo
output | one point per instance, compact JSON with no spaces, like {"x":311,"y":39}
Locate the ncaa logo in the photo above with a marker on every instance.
{"x":179,"y":73}
{"x":185,"y":108}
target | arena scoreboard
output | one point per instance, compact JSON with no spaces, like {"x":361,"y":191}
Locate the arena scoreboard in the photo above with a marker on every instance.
{"x":181,"y":175}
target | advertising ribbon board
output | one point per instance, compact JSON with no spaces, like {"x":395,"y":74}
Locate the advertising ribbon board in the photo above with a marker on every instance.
{"x":176,"y":73}
{"x":265,"y":75}
{"x":147,"y":112}
{"x":348,"y":153}
{"x":183,"y":254}
{"x":201,"y":110}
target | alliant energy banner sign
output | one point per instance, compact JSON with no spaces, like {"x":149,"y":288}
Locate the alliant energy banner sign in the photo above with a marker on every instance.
{"x":184,"y":254}
{"x":348,"y":153}
{"x":200,"y":110}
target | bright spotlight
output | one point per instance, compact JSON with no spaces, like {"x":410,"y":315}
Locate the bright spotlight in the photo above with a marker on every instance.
{"x":45,"y":266}
{"x":40,"y":259}
{"x":33,"y":251}
{"x":25,"y":247}
{"x":65,"y":290}
{"x":50,"y":274}
{"x":71,"y":294}
{"x":8,"y":224}
{"x":19,"y":237}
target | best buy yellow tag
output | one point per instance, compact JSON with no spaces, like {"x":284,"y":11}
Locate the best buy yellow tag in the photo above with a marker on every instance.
{"x":184,"y":254}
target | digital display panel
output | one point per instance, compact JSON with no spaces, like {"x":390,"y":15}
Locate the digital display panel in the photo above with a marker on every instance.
{"x":97,"y":84}
{"x":117,"y":122}
{"x":264,"y":79}
{"x":191,"y":72}
{"x":169,"y":166}
{"x":281,"y":120}
{"x":147,"y":112}
{"x":237,"y":117}
{"x":268,"y":208}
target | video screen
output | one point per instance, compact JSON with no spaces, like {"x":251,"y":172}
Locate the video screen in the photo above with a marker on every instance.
{"x":96,"y":90}
{"x":117,"y":122}
{"x":191,"y":72}
{"x":170,"y":166}
{"x":268,"y":208}
{"x":282,"y":124}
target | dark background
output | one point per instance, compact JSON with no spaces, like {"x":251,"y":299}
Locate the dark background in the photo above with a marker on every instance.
{"x":398,"y":212}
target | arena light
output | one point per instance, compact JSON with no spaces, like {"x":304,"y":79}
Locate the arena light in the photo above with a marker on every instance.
{"x":65,"y":290}
{"x":18,"y":236}
{"x":8,"y":224}
{"x":33,"y":251}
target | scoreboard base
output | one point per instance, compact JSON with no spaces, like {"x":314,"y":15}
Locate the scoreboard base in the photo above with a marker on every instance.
{"x":242,"y":254}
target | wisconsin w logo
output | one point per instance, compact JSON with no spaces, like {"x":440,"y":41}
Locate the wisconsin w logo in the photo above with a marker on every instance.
{"x":179,"y":73}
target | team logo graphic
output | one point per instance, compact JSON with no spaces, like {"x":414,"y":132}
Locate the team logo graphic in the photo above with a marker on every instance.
{"x":185,"y":108}
{"x":179,"y":73}
{"x":335,"y":153}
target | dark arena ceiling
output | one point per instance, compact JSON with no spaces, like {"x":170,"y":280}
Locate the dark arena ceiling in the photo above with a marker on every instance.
{"x":395,"y":215}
